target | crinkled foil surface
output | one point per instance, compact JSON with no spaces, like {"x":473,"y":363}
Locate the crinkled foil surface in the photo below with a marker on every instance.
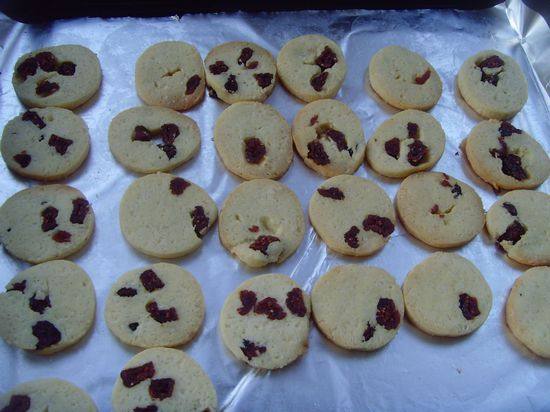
{"x":487,"y":371}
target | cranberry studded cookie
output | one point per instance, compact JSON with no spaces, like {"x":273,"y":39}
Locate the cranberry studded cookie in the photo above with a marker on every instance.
{"x":47,"y":307}
{"x":329,"y":137}
{"x":439,"y":210}
{"x":163,"y":379}
{"x":311,"y":67}
{"x":410,"y":141}
{"x":45,"y":223}
{"x":45,"y":144}
{"x":519,"y":224}
{"x":165,"y":216}
{"x":240,"y":71}
{"x":353,"y":216}
{"x":61,"y":76}
{"x":357,"y":307}
{"x":493,"y":84}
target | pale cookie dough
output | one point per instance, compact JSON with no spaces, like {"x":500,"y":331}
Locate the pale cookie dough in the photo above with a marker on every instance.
{"x":519,"y":224}
{"x":353,"y":216}
{"x":47,"y":307}
{"x":439,"y":210}
{"x":165,"y":216}
{"x":265,"y":321}
{"x":61,"y":76}
{"x":329,"y":137}
{"x":45,"y":223}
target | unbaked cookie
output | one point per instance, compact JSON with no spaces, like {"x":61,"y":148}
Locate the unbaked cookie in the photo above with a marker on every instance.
{"x":357,"y":307}
{"x":519,"y":223}
{"x":240,"y":71}
{"x":311,"y":67}
{"x":166,"y":216}
{"x":446,"y":295}
{"x":410,"y":141}
{"x":157,"y":305}
{"x":439,"y":210}
{"x":493,"y":84}
{"x":353,"y":216}
{"x":253,"y":141}
{"x":62,"y":76}
{"x":170,"y":74}
{"x":329,"y":137}
{"x":153,"y":139}
{"x":47,"y":307}
{"x":45,"y":223}
{"x":163,"y":379}
{"x":265,"y":321}
{"x":506,"y":157}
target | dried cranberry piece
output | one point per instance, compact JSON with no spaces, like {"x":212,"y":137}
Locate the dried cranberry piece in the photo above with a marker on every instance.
{"x":337,"y":137}
{"x":316,"y":152}
{"x":133,"y":326}
{"x":445,"y":183}
{"x":218,"y":67}
{"x":331,"y":192}
{"x":271,"y":308}
{"x":49,"y":216}
{"x":489,"y":78}
{"x":314,"y":120}
{"x":161,"y":388}
{"x":326,"y":59}
{"x":131,"y":377}
{"x":39,"y":305}
{"x":33,"y":117}
{"x":369,"y":332}
{"x":424,"y":78}
{"x":23,"y":159}
{"x":392,"y":147}
{"x":511,"y":166}
{"x":18,"y":403}
{"x":413,"y":131}
{"x":80,"y":209}
{"x":350,"y":237}
{"x":46,"y":333}
{"x":254,"y":151}
{"x":149,"y":408}
{"x":169,"y":149}
{"x":161,"y":315}
{"x":434,"y":210}
{"x":231,"y":84}
{"x":295,"y":302}
{"x":62,"y":237}
{"x":513,"y":233}
{"x":61,"y":144}
{"x":262,"y":243}
{"x":378,"y":224}
{"x":192,"y":84}
{"x":491,"y":62}
{"x":251,"y":350}
{"x":46,"y":61}
{"x":211,"y":92}
{"x":507,"y":129}
{"x":18,"y":286}
{"x":248,"y":300}
{"x":254,"y":229}
{"x":510,"y":208}
{"x":263,"y":79}
{"x":200,"y":220}
{"x":387,"y":314}
{"x":46,"y":88}
{"x":67,"y":69}
{"x":418,"y":152}
{"x":142,"y":134}
{"x":457,"y":190}
{"x":246,"y":54}
{"x":27,"y":68}
{"x":126,"y":292}
{"x":151,"y":281}
{"x":178,"y":185}
{"x":318,"y":81}
{"x":169,"y":132}
{"x":468,"y":306}
{"x":252,"y":65}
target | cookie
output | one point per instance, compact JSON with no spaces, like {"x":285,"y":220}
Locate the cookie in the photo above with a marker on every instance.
{"x":329,"y":137}
{"x":253,"y":141}
{"x":157,"y":305}
{"x":170,"y":74}
{"x":153,"y":139}
{"x":265,"y":321}
{"x":408,"y":142}
{"x":506,"y":157}
{"x":165,"y":216}
{"x":404,"y":79}
{"x":240,"y":71}
{"x":492,"y":84}
{"x":47,"y":307}
{"x":163,"y":379}
{"x":45,"y":144}
{"x":527,"y":310}
{"x":52,"y":395}
{"x":446,"y":295}
{"x":261,"y":222}
{"x":45,"y":223}
{"x":439,"y":210}
{"x":353,"y":216}
{"x":519,"y":224}
{"x":357,"y":307}
{"x":311,"y":67}
{"x":61,"y":76}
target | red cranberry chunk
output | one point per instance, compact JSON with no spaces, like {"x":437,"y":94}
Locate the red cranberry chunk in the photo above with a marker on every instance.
{"x":218,"y":68}
{"x":169,"y":149}
{"x":34,"y":118}
{"x":46,"y":61}
{"x":23,"y":159}
{"x":513,"y":233}
{"x":18,"y":403}
{"x":46,"y":333}
{"x":369,"y":332}
{"x":161,"y":388}
{"x":192,"y":84}
{"x":252,"y":65}
{"x":316,"y":152}
{"x":161,"y":315}
{"x":491,"y":62}
{"x":178,"y":185}
{"x":133,"y":376}
{"x":413,"y":130}
{"x":211,"y":92}
{"x":200,"y":221}
{"x":142,"y":134}
{"x":231,"y":84}
{"x":378,"y":224}
{"x":49,"y":216}
{"x":387,"y":314}
{"x":149,"y":408}
{"x":339,"y":138}
{"x":254,"y":151}
{"x":46,"y":88}
{"x":468,"y":306}
{"x":39,"y":305}
{"x":510,"y":208}
{"x":246,"y":54}
{"x":248,"y":300}
{"x":350,"y":237}
{"x":507,"y":129}
{"x":332,"y":193}
{"x":263,"y":79}
{"x":326,"y":59}
{"x":18,"y":286}
{"x":67,"y":69}
{"x":511,"y":166}
{"x":27,"y":68}
{"x":59,"y":143}
{"x":392,"y":147}
{"x":445,"y":183}
{"x":489,"y":78}
{"x":169,"y":132}
{"x":133,"y":326}
{"x":318,"y":81}
{"x":423,"y":78}
{"x":151,"y":281}
{"x":254,"y":229}
{"x":271,"y":308}
{"x":62,"y":236}
{"x":251,"y":350}
{"x":126,"y":292}
{"x":81,"y":208}
{"x":418,"y":153}
{"x":295,"y":302}
{"x":314,"y":120}
{"x":262,"y":243}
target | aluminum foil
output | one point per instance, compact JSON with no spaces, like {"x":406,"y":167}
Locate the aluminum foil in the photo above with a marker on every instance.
{"x":487,"y":371}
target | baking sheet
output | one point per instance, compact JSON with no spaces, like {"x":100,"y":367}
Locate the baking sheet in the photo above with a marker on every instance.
{"x":487,"y":371}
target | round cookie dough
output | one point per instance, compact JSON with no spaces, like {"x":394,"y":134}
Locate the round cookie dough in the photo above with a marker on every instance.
{"x":261,"y":222}
{"x":506,"y":157}
{"x":61,"y":76}
{"x":408,"y":142}
{"x":527,"y":310}
{"x":353,"y":216}
{"x":45,"y":223}
{"x":265,"y":321}
{"x":357,"y":307}
{"x":47,"y":307}
{"x":329,"y":137}
{"x":170,"y":74}
{"x":493,"y":84}
{"x":253,"y":141}
{"x":157,"y":305}
{"x":446,"y":295}
{"x":519,"y":223}
{"x":153,"y":139}
{"x":404,"y":79}
{"x":240,"y":71}
{"x":165,"y":216}
{"x":439,"y":210}
{"x":311,"y":67}
{"x":45,"y":144}
{"x":52,"y":395}
{"x":163,"y":379}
